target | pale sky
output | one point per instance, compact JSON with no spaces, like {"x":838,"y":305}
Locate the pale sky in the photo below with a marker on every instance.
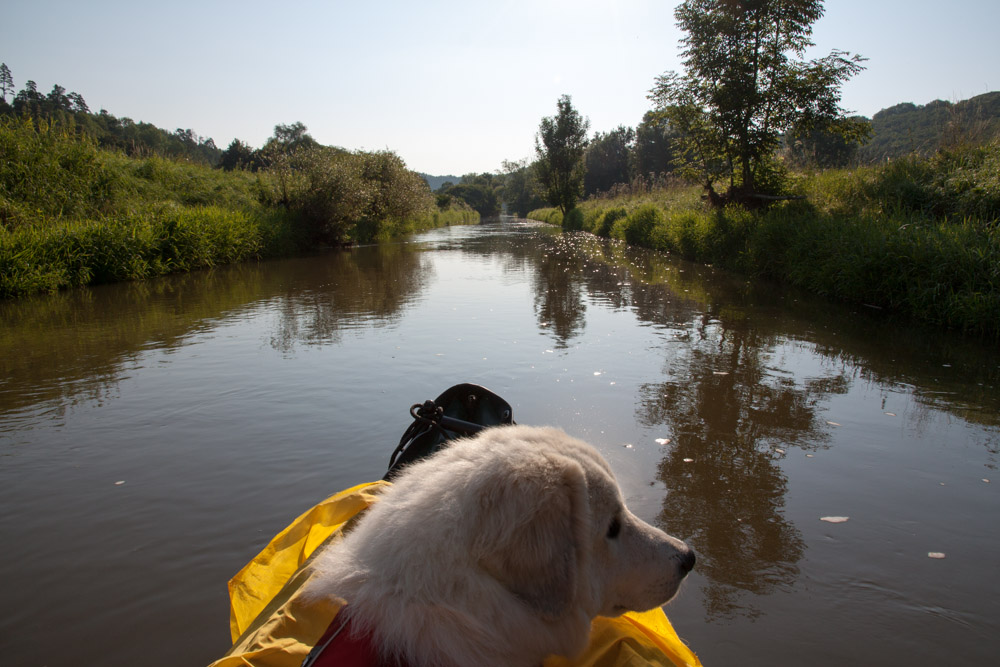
{"x":452,"y":87}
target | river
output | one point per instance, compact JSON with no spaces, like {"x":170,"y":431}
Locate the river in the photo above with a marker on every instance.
{"x":155,"y":435}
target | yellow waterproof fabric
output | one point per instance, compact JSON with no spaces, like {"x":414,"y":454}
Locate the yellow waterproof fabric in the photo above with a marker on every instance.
{"x":272,"y":627}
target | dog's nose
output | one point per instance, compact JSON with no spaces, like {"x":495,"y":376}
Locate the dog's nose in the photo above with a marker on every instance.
{"x":687,"y":560}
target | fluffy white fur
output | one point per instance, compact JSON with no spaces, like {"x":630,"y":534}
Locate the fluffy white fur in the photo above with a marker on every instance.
{"x":499,"y":551}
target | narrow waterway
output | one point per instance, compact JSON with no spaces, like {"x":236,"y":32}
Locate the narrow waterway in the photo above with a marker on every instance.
{"x":154,"y":436}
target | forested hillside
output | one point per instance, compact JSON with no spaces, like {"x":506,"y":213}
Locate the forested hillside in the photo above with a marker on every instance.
{"x":909,"y":128}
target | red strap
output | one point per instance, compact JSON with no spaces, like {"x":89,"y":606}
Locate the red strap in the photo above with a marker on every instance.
{"x":342,"y":646}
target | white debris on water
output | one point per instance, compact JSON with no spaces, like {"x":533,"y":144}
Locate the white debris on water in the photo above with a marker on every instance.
{"x":834,"y":519}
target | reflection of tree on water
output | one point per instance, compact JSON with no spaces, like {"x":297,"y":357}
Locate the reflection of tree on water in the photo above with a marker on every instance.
{"x":727,"y":417}
{"x":559,"y":289}
{"x":368,"y":286}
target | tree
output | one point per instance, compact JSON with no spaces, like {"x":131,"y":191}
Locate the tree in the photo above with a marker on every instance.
{"x":520,"y":187}
{"x":820,"y":146}
{"x":560,"y":145}
{"x":238,"y":156}
{"x":744,"y":85}
{"x":58,"y":98}
{"x":607,"y":160}
{"x":79,"y":104}
{"x":480,"y":191}
{"x":29,"y":101}
{"x":6,"y":82}
{"x":652,"y":154}
{"x":290,"y":138}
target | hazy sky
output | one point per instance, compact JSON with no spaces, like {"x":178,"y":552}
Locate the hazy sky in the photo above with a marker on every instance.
{"x":452,"y":87}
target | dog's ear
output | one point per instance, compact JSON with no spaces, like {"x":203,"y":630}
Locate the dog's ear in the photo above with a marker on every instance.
{"x":531,"y":525}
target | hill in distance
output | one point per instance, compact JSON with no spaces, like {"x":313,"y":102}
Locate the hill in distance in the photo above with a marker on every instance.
{"x":436,"y":182}
{"x":910,"y":128}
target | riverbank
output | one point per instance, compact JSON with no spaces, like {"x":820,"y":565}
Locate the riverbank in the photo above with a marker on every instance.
{"x":917,"y":236}
{"x":72,"y":214}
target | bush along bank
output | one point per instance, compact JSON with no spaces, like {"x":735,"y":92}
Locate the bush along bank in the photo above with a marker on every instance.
{"x":917,"y":236}
{"x":72,"y":214}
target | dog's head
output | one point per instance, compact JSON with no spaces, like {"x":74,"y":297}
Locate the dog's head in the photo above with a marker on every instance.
{"x":552,"y":527}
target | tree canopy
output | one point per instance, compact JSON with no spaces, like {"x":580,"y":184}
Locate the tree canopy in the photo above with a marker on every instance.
{"x":608,"y":160}
{"x":560,"y":145}
{"x":745,"y":84}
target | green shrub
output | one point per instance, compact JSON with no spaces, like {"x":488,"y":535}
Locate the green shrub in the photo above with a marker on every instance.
{"x":607,"y":219}
{"x":573,"y":219}
{"x":637,"y":228}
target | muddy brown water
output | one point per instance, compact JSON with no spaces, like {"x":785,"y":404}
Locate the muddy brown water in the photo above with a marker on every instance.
{"x":155,"y":435}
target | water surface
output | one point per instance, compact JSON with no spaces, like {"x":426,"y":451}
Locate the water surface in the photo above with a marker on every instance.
{"x":155,"y":435}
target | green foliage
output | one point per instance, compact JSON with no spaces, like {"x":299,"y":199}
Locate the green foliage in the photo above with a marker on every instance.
{"x":823,"y":145}
{"x":552,"y":216}
{"x":741,"y":90}
{"x":46,"y":258}
{"x":608,"y":159}
{"x":919,"y":236}
{"x":607,"y":219}
{"x":341,"y":197}
{"x":520,"y":188}
{"x":907,"y":128}
{"x":480,"y":191}
{"x":72,"y":214}
{"x":958,"y":184}
{"x":560,"y":146}
{"x":639,"y":226}
{"x":70,"y":113}
{"x":573,"y":219}
{"x":237,"y":156}
{"x":653,"y":151}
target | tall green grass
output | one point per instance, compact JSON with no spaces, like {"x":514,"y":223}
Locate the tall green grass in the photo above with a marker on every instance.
{"x":37,"y":258}
{"x":917,"y":236}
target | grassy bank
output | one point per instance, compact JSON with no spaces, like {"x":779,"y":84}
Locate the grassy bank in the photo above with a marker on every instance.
{"x":72,"y":214}
{"x":916,"y":236}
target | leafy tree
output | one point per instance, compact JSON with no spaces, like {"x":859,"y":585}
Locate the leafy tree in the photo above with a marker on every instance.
{"x":520,"y":187}
{"x":6,"y":82}
{"x":560,"y":145}
{"x":821,"y":146}
{"x":652,"y":153}
{"x":237,"y":156}
{"x":290,"y":138}
{"x":744,"y":85}
{"x":607,"y":160}
{"x":479,"y":191}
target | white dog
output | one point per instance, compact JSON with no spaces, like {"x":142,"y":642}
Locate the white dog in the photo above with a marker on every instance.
{"x":498,"y":550}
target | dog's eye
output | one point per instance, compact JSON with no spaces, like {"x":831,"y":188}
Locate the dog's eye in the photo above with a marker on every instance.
{"x":614,"y":528}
